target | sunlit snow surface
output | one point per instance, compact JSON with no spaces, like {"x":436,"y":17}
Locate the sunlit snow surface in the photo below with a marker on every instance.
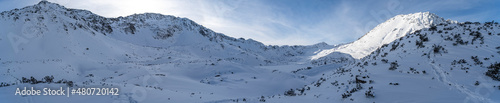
{"x":159,"y":58}
{"x":385,"y":33}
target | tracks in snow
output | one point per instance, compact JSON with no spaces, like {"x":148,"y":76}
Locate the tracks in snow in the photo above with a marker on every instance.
{"x":444,"y":79}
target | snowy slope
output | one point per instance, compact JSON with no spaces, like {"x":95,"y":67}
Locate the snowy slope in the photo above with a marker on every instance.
{"x":166,"y":57}
{"x":385,"y":33}
{"x":160,"y":58}
{"x":452,"y":62}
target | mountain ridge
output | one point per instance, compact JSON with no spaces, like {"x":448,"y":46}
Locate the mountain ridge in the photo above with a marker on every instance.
{"x":152,"y":30}
{"x":160,"y":58}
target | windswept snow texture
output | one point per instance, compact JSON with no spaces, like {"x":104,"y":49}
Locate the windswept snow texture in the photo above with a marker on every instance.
{"x":159,"y":58}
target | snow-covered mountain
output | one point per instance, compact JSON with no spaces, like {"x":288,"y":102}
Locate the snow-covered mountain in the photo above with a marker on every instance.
{"x":151,"y":30}
{"x":75,"y":45}
{"x":387,"y":32}
{"x":160,"y":58}
{"x":449,"y":62}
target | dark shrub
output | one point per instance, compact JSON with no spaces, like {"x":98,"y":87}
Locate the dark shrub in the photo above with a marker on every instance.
{"x":493,"y":71}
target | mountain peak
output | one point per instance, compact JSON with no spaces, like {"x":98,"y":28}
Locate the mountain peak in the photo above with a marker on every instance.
{"x":425,"y":14}
{"x":419,"y":15}
{"x":321,"y":44}
{"x":421,"y":18}
{"x":49,"y":5}
{"x":42,"y":6}
{"x":384,"y":33}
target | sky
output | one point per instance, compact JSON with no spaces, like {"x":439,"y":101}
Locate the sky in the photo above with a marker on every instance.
{"x":285,"y":22}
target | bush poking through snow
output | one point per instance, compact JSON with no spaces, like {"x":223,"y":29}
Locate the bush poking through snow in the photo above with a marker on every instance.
{"x":394,"y":65}
{"x":346,"y":95}
{"x":290,"y":92}
{"x":476,"y":60}
{"x":262,"y":99}
{"x":493,"y":71}
{"x":438,"y":49}
{"x":370,"y":93}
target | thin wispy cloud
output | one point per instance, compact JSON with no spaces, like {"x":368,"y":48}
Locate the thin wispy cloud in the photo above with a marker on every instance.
{"x":285,"y":22}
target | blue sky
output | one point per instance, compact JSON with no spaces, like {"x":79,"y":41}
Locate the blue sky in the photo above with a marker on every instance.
{"x":286,"y":22}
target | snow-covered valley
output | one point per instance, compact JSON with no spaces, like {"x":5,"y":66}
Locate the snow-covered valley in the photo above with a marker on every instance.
{"x":150,"y":57}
